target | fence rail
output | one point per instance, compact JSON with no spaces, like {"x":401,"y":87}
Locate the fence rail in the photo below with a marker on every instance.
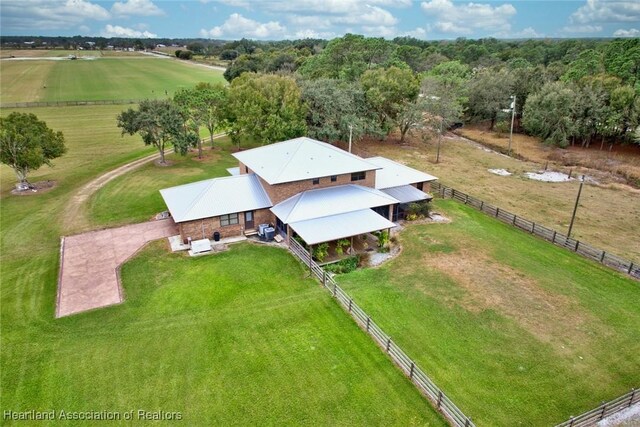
{"x":69,"y":103}
{"x":610,"y":260}
{"x":437,"y":397}
{"x":590,"y":418}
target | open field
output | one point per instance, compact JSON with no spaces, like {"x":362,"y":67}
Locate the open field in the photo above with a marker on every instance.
{"x":62,"y":53}
{"x":222,"y":345}
{"x":623,"y":160}
{"x":100,"y":79}
{"x":522,"y":333}
{"x":607,"y":216}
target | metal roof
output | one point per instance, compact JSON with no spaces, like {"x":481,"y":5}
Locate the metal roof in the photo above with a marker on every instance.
{"x":330,"y":201}
{"x":214,"y":197}
{"x":407,"y":194}
{"x":301,"y":158}
{"x":339,"y":226}
{"x":394,"y":174}
{"x":234,"y":171}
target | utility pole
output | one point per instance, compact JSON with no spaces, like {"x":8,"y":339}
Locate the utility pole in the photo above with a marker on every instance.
{"x":513,"y":116}
{"x":439,"y":140}
{"x":575,"y":208}
{"x":350,"y":136}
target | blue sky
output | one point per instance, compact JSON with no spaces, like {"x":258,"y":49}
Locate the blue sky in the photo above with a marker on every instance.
{"x":280,"y":19}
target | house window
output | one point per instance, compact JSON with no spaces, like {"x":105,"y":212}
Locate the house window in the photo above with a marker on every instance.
{"x":316,"y":181}
{"x":230,"y":219}
{"x":246,"y":169}
{"x":358,"y":176}
{"x":334,"y":178}
{"x":420,"y":185}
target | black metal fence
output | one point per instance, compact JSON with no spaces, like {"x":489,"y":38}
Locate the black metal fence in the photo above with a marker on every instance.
{"x":610,"y":260}
{"x":435,"y":395}
{"x":590,"y":418}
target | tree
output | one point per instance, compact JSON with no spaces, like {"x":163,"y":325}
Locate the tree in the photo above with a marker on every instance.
{"x":26,"y":144}
{"x":185,"y":54}
{"x":489,"y":93}
{"x":548,"y":113}
{"x":159,"y":122}
{"x":334,"y":106}
{"x":388,"y":91}
{"x":203,"y":105}
{"x":266,"y":107}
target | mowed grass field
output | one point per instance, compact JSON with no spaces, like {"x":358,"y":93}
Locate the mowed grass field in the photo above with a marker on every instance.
{"x":515,"y":330}
{"x":236,"y":338}
{"x":99,"y":79}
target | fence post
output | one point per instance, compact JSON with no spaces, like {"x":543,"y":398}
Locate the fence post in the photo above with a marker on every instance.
{"x":630,"y":268}
{"x":350,"y":302}
{"x":467,"y":422}
{"x":604,"y":408}
{"x":633,"y":394}
{"x":411,"y":370}
{"x":497,"y":212}
{"x":571,"y":420}
{"x":554,"y":236}
{"x":388,"y":346}
{"x":514,"y":219}
{"x":453,"y":193}
{"x":439,"y":398}
{"x":576,"y":248}
{"x":533,"y":228}
{"x":466,"y":199}
{"x":602,"y":257}
{"x":324,"y":278}
{"x":368,"y":321}
{"x":481,"y":205}
{"x":334,"y":289}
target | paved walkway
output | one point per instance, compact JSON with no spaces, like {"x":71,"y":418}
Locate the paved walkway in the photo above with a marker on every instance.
{"x":89,"y":276}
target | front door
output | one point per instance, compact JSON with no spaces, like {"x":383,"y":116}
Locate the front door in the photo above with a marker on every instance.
{"x":248,"y":221}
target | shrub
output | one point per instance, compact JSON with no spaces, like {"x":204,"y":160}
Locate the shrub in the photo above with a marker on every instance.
{"x":383,"y":238}
{"x":177,"y":53}
{"x":341,"y":244}
{"x":185,"y":54}
{"x":321,"y":251}
{"x":363,"y":259}
{"x":418,"y":210}
{"x":346,"y":265}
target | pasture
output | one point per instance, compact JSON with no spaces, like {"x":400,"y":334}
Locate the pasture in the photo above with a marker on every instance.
{"x":522,"y":333}
{"x":99,"y":79}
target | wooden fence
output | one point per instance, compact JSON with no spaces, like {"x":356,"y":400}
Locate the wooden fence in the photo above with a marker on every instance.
{"x":435,"y":395}
{"x":553,"y":236}
{"x":69,"y":103}
{"x":591,"y":417}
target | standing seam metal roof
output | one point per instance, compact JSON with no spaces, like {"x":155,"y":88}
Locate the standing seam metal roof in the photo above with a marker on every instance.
{"x":330,"y":201}
{"x":299,"y":159}
{"x":215,"y":197}
{"x":394,"y":174}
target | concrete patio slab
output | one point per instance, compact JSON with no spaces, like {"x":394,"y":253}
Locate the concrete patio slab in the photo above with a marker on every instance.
{"x":89,"y":264}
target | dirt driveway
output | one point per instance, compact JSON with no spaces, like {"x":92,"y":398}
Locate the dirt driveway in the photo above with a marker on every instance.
{"x":89,"y":276}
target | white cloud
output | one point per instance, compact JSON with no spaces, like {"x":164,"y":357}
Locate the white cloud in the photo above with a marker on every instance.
{"x":48,"y":14}
{"x":581,"y":29}
{"x":84,"y":29}
{"x":418,"y":32}
{"x":607,"y":11}
{"x":632,"y":32}
{"x":465,"y":18}
{"x":239,"y":26}
{"x":311,"y":34}
{"x":379,"y":31}
{"x":136,"y":7}
{"x":370,"y":15}
{"x":118,"y":31}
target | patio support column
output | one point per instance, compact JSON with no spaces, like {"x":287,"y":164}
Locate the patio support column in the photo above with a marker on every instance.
{"x":352,"y":249}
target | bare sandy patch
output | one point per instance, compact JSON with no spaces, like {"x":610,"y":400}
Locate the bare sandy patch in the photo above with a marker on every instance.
{"x":552,"y":318}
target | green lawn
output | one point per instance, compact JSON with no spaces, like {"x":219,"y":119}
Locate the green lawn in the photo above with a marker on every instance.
{"x":108,"y":78}
{"x":514,"y":329}
{"x":135,"y":197}
{"x":236,"y":338}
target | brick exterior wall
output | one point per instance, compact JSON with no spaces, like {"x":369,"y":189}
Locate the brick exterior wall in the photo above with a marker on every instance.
{"x":204,"y":228}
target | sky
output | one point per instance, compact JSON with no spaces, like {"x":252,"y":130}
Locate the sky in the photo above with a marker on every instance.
{"x":295,"y":19}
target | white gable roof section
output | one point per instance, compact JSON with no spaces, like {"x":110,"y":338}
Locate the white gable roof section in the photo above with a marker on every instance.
{"x":299,"y":159}
{"x":394,"y":174}
{"x":215,"y":197}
